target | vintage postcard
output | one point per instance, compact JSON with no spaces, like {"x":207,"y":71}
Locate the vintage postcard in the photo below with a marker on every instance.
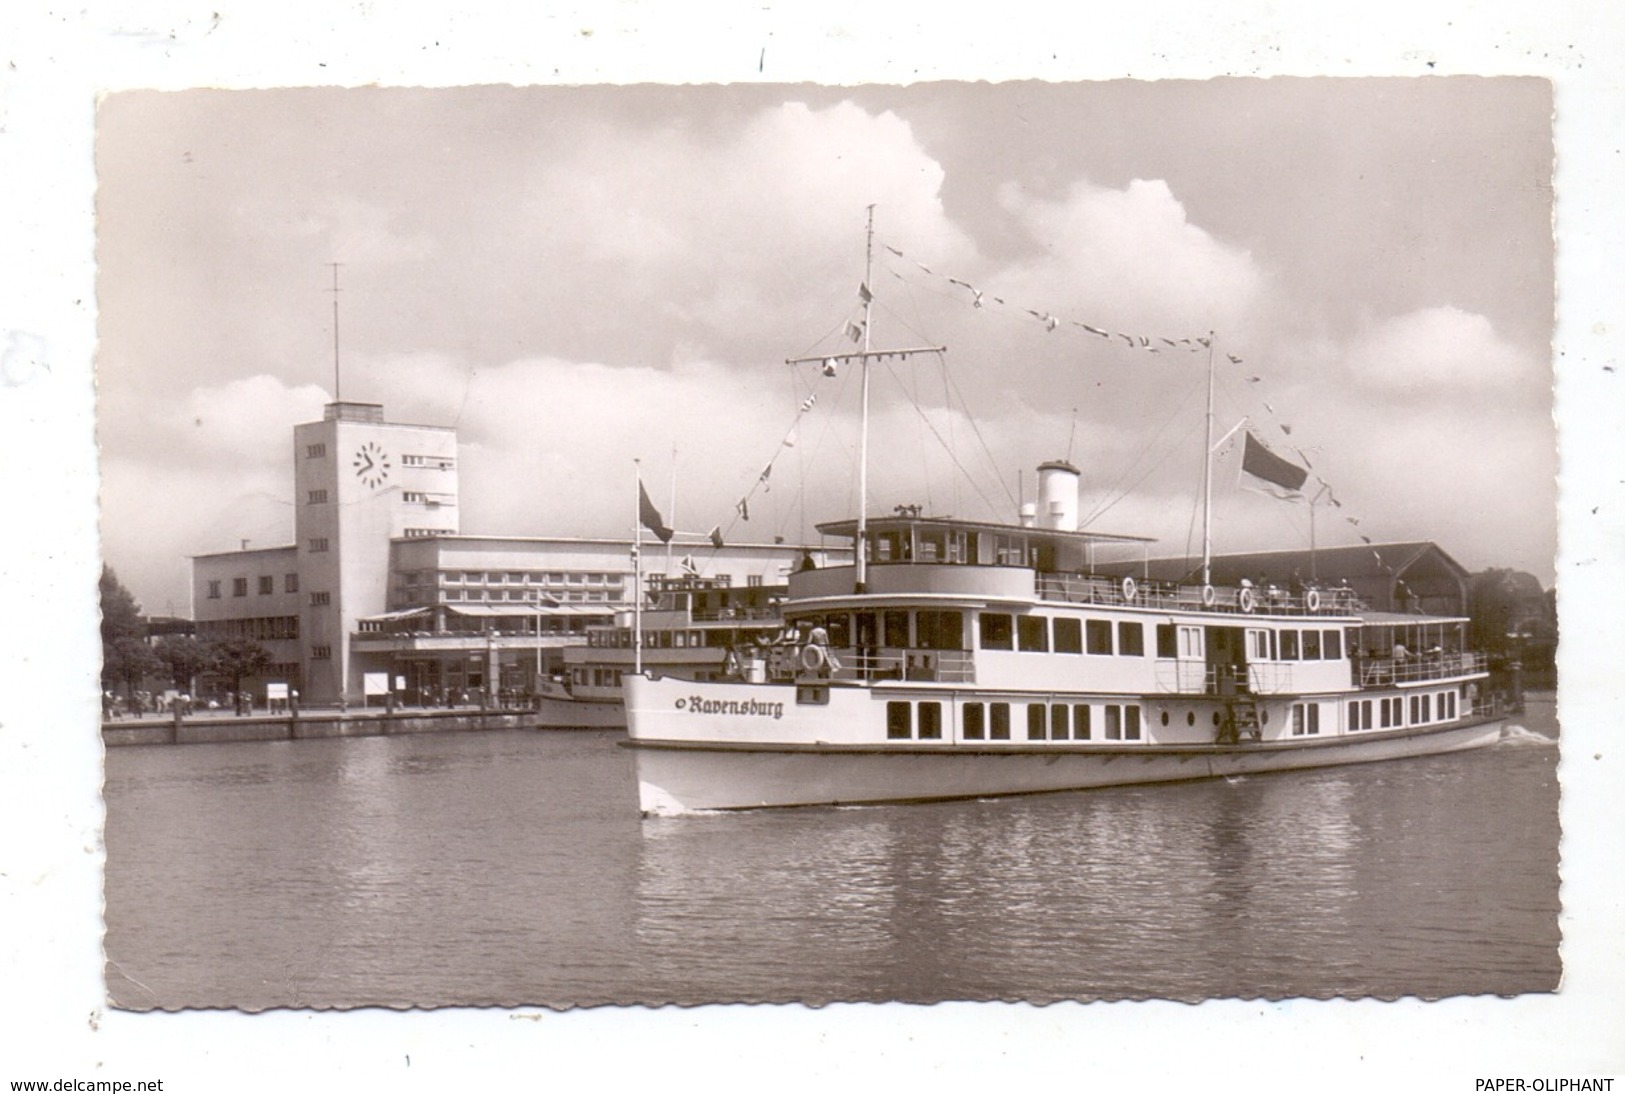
{"x":1084,"y":536}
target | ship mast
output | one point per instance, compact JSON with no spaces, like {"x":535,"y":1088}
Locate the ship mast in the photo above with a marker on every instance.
{"x":1207,"y":475}
{"x":861,"y":546}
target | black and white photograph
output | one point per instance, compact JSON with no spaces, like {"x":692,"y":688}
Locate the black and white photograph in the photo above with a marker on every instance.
{"x":1030,"y":543}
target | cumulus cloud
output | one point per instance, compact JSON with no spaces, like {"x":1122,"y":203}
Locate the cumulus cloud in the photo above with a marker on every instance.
{"x":1438,"y":350}
{"x":1133,"y":257}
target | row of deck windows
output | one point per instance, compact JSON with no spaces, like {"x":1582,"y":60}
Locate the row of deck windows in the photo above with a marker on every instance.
{"x":991,"y":721}
{"x":1389,"y":713}
{"x":1041,"y":634}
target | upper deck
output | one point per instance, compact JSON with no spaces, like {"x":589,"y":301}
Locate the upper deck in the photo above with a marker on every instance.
{"x":912,"y":556}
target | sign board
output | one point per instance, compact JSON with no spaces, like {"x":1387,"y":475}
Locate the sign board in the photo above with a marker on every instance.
{"x":275,"y":691}
{"x":375,"y":683}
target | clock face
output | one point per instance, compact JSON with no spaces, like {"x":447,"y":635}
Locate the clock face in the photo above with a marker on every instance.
{"x":371,"y":465}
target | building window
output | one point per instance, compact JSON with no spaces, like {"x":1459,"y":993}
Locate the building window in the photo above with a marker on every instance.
{"x":1289,"y":645}
{"x":894,"y":628}
{"x":898,"y":720}
{"x":290,"y":583}
{"x":1068,"y":635}
{"x":1058,"y":730}
{"x":1167,"y":646}
{"x":1311,"y":645}
{"x":315,"y":451}
{"x":1331,"y":646}
{"x":319,"y":600}
{"x":318,"y":543}
{"x":267,"y":584}
{"x":1305,"y":719}
{"x":1131,"y":639}
{"x":930,"y":721}
{"x":1032,"y":633}
{"x":214,"y":590}
{"x":997,"y":631}
{"x":1035,"y":721}
{"x":239,"y":586}
{"x":754,"y":581}
{"x":939,"y":630}
{"x":1122,"y":722}
{"x":1000,"y":727}
{"x":316,"y":497}
{"x":1080,"y":721}
{"x":1098,"y":636}
{"x":321,"y":653}
{"x":975,"y":729}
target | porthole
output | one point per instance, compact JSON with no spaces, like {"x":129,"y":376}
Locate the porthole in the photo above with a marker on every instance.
{"x":1190,"y":717}
{"x":1165,"y":717}
{"x":1216,"y":717}
{"x":1264,"y":717}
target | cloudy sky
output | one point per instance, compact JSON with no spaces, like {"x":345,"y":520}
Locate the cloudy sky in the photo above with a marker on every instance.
{"x":577,"y":277}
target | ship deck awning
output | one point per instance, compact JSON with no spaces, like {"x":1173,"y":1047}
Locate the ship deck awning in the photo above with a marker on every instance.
{"x":510,"y":611}
{"x":848,"y":529}
{"x":390,"y":617}
{"x":1401,"y":619}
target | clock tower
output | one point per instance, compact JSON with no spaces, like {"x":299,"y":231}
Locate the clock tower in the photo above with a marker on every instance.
{"x":359,"y":481}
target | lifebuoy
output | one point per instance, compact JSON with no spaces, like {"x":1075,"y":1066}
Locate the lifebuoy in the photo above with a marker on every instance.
{"x":1129,"y":588}
{"x":813,"y":657}
{"x":1311,"y":600}
{"x":1246,"y":600}
{"x":1209,"y":597}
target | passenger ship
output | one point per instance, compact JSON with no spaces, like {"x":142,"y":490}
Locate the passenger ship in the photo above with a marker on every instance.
{"x":961,"y":659}
{"x":700,"y":628}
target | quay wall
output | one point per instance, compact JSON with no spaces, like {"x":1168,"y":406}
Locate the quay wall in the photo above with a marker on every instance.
{"x":281,"y":727}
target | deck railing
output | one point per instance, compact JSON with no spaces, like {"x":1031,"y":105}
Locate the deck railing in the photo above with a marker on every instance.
{"x":1381,"y":672}
{"x":1269,"y":600}
{"x":876,"y":663}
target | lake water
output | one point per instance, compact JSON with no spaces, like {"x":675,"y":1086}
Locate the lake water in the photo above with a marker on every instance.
{"x":512,"y":868}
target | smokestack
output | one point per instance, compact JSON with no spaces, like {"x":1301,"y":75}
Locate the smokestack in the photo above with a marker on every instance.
{"x":1058,"y":495}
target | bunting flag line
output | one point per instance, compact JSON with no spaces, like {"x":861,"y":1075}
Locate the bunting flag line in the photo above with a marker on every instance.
{"x":1159,"y":344}
{"x":762,"y":478}
{"x":854,"y":332}
{"x":807,"y":403}
{"x":650,"y":517}
{"x":688,"y":566}
{"x":1049,"y":319}
{"x":864,"y":294}
{"x":743,"y":506}
{"x":716,"y":537}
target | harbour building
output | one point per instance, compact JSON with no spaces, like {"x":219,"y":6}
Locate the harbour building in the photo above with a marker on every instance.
{"x":380,"y":592}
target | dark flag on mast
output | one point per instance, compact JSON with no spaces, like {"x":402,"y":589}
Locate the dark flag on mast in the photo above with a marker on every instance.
{"x":1286,"y":477}
{"x":650,"y":516}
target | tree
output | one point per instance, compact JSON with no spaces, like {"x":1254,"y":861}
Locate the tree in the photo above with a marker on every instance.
{"x":126,"y":657}
{"x":185,"y":657}
{"x":239,"y":658}
{"x":1513,"y":618}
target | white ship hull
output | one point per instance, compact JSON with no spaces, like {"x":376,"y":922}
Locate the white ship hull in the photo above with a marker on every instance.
{"x":771,"y":753}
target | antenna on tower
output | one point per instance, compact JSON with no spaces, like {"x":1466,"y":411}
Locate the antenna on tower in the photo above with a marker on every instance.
{"x":335,"y":292}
